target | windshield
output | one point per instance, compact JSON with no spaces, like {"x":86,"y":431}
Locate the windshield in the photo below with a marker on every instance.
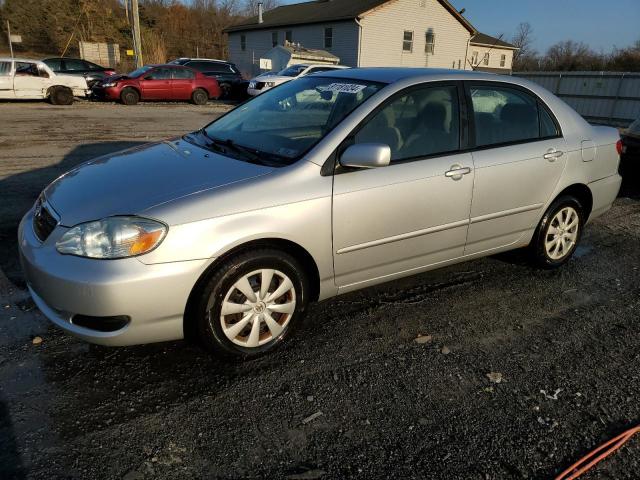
{"x":293,"y":71}
{"x":139,"y":72}
{"x":289,"y":120}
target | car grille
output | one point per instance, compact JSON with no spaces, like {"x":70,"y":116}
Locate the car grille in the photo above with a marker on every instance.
{"x":43,"y":222}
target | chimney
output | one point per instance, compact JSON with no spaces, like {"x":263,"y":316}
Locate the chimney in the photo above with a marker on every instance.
{"x":260,"y":12}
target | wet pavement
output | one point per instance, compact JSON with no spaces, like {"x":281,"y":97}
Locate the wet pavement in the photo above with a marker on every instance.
{"x":353,"y":395}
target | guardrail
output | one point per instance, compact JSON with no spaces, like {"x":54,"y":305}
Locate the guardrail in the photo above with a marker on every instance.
{"x":610,"y":98}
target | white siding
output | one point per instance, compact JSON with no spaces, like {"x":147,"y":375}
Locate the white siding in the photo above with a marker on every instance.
{"x":383,"y":31}
{"x":494,"y":56}
{"x":345,"y":43}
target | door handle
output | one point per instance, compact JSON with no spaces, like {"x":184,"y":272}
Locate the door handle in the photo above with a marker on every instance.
{"x":552,"y":154}
{"x":457,"y":172}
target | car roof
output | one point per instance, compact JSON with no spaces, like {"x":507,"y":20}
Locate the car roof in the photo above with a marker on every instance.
{"x":395,"y":74}
{"x":26,"y":60}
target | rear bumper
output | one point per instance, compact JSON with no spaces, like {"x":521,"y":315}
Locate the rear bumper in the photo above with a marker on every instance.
{"x":153,"y":297}
{"x":604,"y":192}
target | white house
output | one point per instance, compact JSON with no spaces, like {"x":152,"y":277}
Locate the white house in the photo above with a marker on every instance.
{"x":362,"y":33}
{"x":490,"y":54}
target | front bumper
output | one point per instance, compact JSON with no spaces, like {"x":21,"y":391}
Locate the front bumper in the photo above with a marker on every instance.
{"x":102,"y":93}
{"x":154,"y":297}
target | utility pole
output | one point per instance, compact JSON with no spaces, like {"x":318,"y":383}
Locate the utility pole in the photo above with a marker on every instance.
{"x":137,"y":43}
{"x":9,"y":38}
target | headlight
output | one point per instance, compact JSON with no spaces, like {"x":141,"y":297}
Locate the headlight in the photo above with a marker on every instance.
{"x":114,"y":237}
{"x":270,"y":84}
{"x":109,"y":84}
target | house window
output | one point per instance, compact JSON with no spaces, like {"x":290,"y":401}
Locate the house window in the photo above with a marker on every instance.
{"x":274,"y":39}
{"x":430,"y":42}
{"x":407,"y":42}
{"x":503,"y":60}
{"x":474,"y":58}
{"x":454,"y":64}
{"x":485,"y":60}
{"x":328,"y":37}
{"x":288,"y":36}
{"x":243,"y":42}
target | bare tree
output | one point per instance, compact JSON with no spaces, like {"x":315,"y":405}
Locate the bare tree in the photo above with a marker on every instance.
{"x":523,"y":40}
{"x":251,"y":6}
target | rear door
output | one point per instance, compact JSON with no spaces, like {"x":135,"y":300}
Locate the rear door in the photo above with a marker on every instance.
{"x":182,"y":83}
{"x":30,"y":81}
{"x":519,"y":155}
{"x":397,"y":220}
{"x":156,"y":84}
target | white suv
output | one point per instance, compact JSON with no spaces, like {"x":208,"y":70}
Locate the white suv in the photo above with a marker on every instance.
{"x":267,"y":81}
{"x":34,"y":80}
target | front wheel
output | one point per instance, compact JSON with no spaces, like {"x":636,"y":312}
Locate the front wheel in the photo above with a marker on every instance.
{"x":558,"y":233}
{"x":251,"y":304}
{"x":129,"y":96}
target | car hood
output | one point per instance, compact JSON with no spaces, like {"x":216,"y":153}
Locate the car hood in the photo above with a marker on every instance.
{"x":273,"y":78}
{"x":134,"y":180}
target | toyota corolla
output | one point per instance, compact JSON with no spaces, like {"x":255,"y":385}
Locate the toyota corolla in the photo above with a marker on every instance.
{"x":322,"y":186}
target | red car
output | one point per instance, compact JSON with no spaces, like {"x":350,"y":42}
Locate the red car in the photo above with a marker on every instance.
{"x":158,"y":82}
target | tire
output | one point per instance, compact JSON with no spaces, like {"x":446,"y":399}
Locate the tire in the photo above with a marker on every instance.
{"x":248,"y":331}
{"x":199,"y":97}
{"x":129,"y":96}
{"x":225,"y":91}
{"x":555,"y":240}
{"x":61,"y":96}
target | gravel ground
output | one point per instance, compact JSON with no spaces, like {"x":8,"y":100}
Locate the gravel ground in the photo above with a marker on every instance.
{"x":354,"y":395}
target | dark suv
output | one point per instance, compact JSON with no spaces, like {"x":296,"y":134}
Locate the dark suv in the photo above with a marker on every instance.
{"x":75,"y":66}
{"x":227,"y":74}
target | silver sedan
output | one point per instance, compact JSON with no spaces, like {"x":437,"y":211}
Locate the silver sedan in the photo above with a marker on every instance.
{"x":319,"y":187}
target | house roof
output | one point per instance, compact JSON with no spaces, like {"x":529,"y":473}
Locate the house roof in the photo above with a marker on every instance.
{"x":320,"y":11}
{"x":489,"y":41}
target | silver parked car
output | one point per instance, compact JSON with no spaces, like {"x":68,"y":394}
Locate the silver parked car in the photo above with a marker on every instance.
{"x":322,"y":186}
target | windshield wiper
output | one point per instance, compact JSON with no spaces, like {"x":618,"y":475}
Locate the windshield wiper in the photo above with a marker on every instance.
{"x":250,"y":154}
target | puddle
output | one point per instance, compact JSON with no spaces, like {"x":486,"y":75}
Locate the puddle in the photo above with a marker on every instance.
{"x":582,"y":250}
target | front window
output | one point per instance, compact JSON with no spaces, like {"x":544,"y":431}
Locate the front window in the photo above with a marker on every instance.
{"x":407,"y":42}
{"x":282,"y":124}
{"x":421,"y":123}
{"x":293,"y":71}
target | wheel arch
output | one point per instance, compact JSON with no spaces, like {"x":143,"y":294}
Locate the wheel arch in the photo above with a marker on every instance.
{"x":583,"y":194}
{"x":300,"y":253}
{"x":132,"y":87}
{"x":54,"y":87}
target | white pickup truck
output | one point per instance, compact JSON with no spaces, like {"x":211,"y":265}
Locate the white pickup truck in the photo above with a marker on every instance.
{"x":33,"y":80}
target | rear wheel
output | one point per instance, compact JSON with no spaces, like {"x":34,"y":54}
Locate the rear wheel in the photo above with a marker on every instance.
{"x":199,"y":96}
{"x":558,"y":233}
{"x":61,"y":96}
{"x":251,"y":304}
{"x":129,"y":96}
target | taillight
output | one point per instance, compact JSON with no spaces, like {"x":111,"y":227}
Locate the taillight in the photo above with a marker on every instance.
{"x":619,"y":147}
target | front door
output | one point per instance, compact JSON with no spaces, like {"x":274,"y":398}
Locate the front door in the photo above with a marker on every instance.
{"x":156,"y":85}
{"x":519,"y":157}
{"x":397,"y":220}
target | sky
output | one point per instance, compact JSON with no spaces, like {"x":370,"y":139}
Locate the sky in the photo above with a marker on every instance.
{"x":601,"y":24}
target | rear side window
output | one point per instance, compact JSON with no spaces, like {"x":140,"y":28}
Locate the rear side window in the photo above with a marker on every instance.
{"x":211,"y":67}
{"x":72,"y":64}
{"x":422,"y":123}
{"x":183,"y":74}
{"x":5,"y":68}
{"x":504,"y":115}
{"x":54,"y":64}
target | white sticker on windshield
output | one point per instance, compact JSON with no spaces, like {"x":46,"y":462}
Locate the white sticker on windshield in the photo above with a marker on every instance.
{"x":343,"y":88}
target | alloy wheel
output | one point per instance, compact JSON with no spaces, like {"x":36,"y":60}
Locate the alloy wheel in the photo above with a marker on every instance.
{"x":562,"y":234}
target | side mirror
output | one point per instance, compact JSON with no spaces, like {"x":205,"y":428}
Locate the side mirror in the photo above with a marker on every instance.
{"x":366,"y":155}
